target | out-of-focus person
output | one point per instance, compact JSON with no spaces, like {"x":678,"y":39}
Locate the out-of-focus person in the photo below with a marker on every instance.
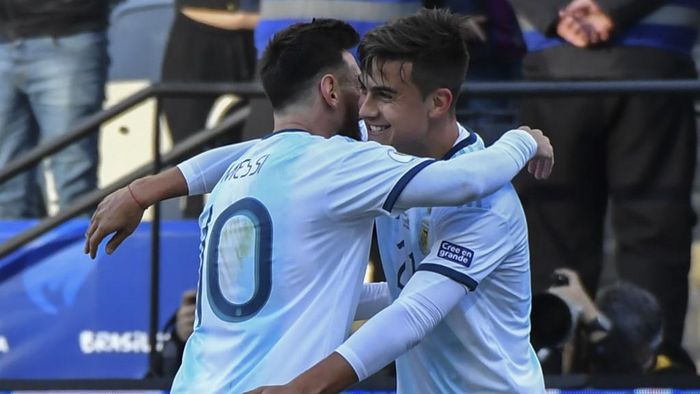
{"x":630,"y":155}
{"x":53,"y":67}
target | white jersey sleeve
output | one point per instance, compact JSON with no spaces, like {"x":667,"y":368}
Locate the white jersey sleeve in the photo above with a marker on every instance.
{"x":374,"y":298}
{"x":470,"y":177}
{"x":423,"y":303}
{"x":469,"y":243}
{"x":367,"y":179}
{"x":203,"y":171}
{"x":372,"y":178}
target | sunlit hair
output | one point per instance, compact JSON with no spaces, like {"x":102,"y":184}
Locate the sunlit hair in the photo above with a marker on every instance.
{"x":434,"y":41}
{"x":298,"y":54}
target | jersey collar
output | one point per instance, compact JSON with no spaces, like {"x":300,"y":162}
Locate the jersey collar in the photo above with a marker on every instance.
{"x":470,"y":139}
{"x":285,"y":131}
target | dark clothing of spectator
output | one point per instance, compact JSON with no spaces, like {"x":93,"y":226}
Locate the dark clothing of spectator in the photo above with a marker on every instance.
{"x":198,"y":52}
{"x":632,"y":154}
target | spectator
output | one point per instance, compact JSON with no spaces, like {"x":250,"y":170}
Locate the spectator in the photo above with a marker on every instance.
{"x":363,"y":15}
{"x":636,"y":152}
{"x":180,"y":327}
{"x":495,"y":55}
{"x":621,"y":333}
{"x":53,"y":67}
{"x":210,"y":41}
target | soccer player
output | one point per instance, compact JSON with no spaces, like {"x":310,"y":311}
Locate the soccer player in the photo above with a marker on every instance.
{"x":462,"y":272}
{"x":286,"y":230}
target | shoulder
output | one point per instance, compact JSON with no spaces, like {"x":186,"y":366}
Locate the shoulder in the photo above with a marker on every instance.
{"x":467,"y":217}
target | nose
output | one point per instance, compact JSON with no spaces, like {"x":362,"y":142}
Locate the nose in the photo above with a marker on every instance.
{"x":368,"y":107}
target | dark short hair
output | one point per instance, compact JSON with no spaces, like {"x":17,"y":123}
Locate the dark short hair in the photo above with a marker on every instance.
{"x":301,"y":52}
{"x":434,"y":41}
{"x":637,"y":329}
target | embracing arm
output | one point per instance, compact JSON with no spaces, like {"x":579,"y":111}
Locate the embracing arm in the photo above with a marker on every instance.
{"x":472,"y":176}
{"x":423,"y":303}
{"x":121,"y":211}
{"x":202,"y":172}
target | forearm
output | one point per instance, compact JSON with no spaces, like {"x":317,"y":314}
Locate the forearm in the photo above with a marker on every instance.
{"x":469,"y":177}
{"x":374,"y":298}
{"x":331,"y":375}
{"x":153,"y":188}
{"x":425,"y":301}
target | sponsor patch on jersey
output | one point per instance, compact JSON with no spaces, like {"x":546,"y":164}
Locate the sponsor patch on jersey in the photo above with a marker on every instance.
{"x":455,"y":253}
{"x":400,"y":157}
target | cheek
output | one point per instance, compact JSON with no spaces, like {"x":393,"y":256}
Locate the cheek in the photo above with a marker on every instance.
{"x":384,"y":139}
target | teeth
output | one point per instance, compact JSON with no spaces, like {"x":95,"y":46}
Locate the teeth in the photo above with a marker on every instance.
{"x":377,"y":129}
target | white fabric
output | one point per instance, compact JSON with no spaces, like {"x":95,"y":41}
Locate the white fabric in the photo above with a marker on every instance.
{"x":424,"y":302}
{"x":321,"y":196}
{"x":286,"y":194}
{"x":443,"y":183}
{"x":374,"y":298}
{"x":440,"y":184}
{"x":203,"y":171}
{"x":482,"y":345}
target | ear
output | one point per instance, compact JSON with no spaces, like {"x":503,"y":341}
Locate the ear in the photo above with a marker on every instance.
{"x":440,"y":102}
{"x":330,"y":90}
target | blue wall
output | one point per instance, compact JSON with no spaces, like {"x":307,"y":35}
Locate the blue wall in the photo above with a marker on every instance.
{"x":64,"y":316}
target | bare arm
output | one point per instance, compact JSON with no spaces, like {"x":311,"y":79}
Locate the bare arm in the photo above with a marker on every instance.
{"x":121,"y":211}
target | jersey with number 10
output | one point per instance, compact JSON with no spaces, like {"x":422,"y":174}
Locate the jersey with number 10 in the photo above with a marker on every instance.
{"x":285,"y":242}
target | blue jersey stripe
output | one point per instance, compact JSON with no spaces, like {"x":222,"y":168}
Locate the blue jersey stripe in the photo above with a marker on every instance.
{"x":401,"y":184}
{"x":460,"y":145}
{"x":450,"y":273}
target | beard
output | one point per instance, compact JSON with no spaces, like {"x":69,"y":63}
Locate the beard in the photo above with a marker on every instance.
{"x":350,"y":127}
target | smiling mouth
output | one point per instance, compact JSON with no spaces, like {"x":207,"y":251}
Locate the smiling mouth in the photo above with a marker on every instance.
{"x":375,"y":129}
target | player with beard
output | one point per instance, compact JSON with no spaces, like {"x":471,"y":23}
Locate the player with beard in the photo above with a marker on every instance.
{"x":286,"y":231}
{"x":459,"y":277}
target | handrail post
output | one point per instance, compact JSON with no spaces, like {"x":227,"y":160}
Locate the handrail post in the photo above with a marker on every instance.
{"x":155,"y":245}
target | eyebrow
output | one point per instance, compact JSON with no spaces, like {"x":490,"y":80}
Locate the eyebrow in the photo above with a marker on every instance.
{"x":375,"y":89}
{"x":382,"y":89}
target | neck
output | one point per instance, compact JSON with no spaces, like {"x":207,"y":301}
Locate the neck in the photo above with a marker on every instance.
{"x":441,"y":138}
{"x":303,"y":119}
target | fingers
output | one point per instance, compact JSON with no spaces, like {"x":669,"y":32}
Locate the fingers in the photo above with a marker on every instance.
{"x":538,"y":168}
{"x":189,"y":297}
{"x":544,"y":169}
{"x":94,"y":241}
{"x":577,"y":33}
{"x":116,"y":240}
{"x":91,"y":229}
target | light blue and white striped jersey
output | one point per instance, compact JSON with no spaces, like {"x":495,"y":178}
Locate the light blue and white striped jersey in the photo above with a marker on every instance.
{"x":285,"y":242}
{"x":483,"y":344}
